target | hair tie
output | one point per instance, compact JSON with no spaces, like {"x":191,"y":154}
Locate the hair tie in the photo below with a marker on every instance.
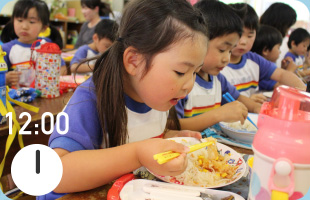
{"x":120,"y":39}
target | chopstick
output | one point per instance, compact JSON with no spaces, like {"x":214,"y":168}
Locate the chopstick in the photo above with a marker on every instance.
{"x":229,"y":98}
{"x":169,"y":155}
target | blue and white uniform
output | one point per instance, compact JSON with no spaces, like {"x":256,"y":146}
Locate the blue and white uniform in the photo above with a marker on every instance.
{"x":247,"y":74}
{"x":82,"y":53}
{"x":85,"y":131}
{"x":205,"y":96}
{"x":298,"y":60}
{"x":18,"y":58}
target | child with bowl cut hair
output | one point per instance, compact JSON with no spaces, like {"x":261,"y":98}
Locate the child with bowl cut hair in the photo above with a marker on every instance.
{"x":298,"y":44}
{"x":104,"y":36}
{"x":204,"y":107}
{"x":246,"y":69}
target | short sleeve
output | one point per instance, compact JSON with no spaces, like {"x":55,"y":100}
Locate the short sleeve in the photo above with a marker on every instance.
{"x":80,"y":54}
{"x":227,"y":87}
{"x":266,"y":67}
{"x":84,"y":130}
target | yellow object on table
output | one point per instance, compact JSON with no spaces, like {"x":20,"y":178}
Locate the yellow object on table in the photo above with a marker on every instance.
{"x":168,"y":155}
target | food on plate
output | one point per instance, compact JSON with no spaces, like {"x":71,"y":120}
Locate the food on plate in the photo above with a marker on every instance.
{"x":207,"y":167}
{"x":247,"y":126}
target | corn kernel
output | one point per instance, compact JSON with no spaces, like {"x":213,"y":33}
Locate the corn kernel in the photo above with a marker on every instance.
{"x":224,"y":175}
{"x":204,"y":170}
{"x":200,"y":162}
{"x":201,"y":157}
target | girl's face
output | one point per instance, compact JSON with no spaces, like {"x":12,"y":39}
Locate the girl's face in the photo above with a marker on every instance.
{"x":89,"y":13}
{"x":301,"y":48}
{"x":28,"y":29}
{"x":171,"y":75}
{"x":272,"y":55}
{"x":218,"y":55}
{"x":245,"y":43}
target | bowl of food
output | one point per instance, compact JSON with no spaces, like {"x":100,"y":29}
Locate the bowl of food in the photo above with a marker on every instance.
{"x":241,"y":132}
{"x":214,"y":166}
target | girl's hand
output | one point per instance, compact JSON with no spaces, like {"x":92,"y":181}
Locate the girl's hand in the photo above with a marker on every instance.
{"x":259,"y":98}
{"x":233,"y":111}
{"x":183,"y":133}
{"x":12,"y":78}
{"x":146,"y":149}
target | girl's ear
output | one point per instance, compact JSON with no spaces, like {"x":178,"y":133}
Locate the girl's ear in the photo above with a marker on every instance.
{"x":132,"y":61}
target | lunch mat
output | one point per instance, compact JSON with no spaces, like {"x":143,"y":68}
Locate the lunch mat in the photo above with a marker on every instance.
{"x":216,"y":132}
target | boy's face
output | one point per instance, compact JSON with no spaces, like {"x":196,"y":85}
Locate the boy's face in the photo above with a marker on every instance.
{"x":218,"y":54}
{"x":245,"y":43}
{"x":301,"y":48}
{"x":272,"y":55}
{"x":102,"y":44}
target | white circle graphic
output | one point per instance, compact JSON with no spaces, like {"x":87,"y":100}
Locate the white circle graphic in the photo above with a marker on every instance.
{"x":36,"y":169}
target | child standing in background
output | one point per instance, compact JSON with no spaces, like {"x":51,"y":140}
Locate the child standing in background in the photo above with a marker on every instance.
{"x":126,"y":101}
{"x":246,"y":69}
{"x":202,"y":107}
{"x":298,"y":43}
{"x":104,"y":36}
{"x":29,"y":18}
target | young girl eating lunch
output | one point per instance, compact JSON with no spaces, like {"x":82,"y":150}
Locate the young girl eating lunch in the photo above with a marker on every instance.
{"x":29,"y":18}
{"x":115,"y":115}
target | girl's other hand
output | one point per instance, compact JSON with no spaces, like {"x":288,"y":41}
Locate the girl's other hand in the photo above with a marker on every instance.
{"x":259,"y":98}
{"x":146,"y":149}
{"x":233,"y":111}
{"x":183,"y":133}
{"x":12,"y":78}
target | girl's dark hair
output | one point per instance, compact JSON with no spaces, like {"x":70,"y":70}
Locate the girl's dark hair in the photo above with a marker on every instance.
{"x":106,"y":28}
{"x":221,"y":18}
{"x":298,"y":35}
{"x":247,"y":14}
{"x":21,"y":9}
{"x":266,"y":38}
{"x":279,"y":15}
{"x":104,"y":8}
{"x":151,"y":27}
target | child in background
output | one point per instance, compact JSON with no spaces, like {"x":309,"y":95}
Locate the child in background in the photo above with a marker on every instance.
{"x":246,"y":69}
{"x":267,"y":44}
{"x":126,"y":101}
{"x":29,"y":18}
{"x":104,"y":36}
{"x":280,"y":16}
{"x":202,"y":107}
{"x":298,"y":43}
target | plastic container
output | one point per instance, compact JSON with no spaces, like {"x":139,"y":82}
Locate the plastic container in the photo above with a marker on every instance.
{"x":281,"y":168}
{"x":3,"y":70}
{"x":47,"y":69}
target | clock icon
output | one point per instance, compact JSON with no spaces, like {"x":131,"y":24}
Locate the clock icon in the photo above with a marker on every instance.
{"x":36,"y":169}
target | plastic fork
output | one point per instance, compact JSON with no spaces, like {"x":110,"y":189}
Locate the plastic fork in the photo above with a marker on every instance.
{"x":229,"y":98}
{"x":169,"y":155}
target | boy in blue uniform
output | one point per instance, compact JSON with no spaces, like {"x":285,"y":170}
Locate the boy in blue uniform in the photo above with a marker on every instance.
{"x":246,"y":69}
{"x":202,"y":106}
{"x":105,"y":33}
